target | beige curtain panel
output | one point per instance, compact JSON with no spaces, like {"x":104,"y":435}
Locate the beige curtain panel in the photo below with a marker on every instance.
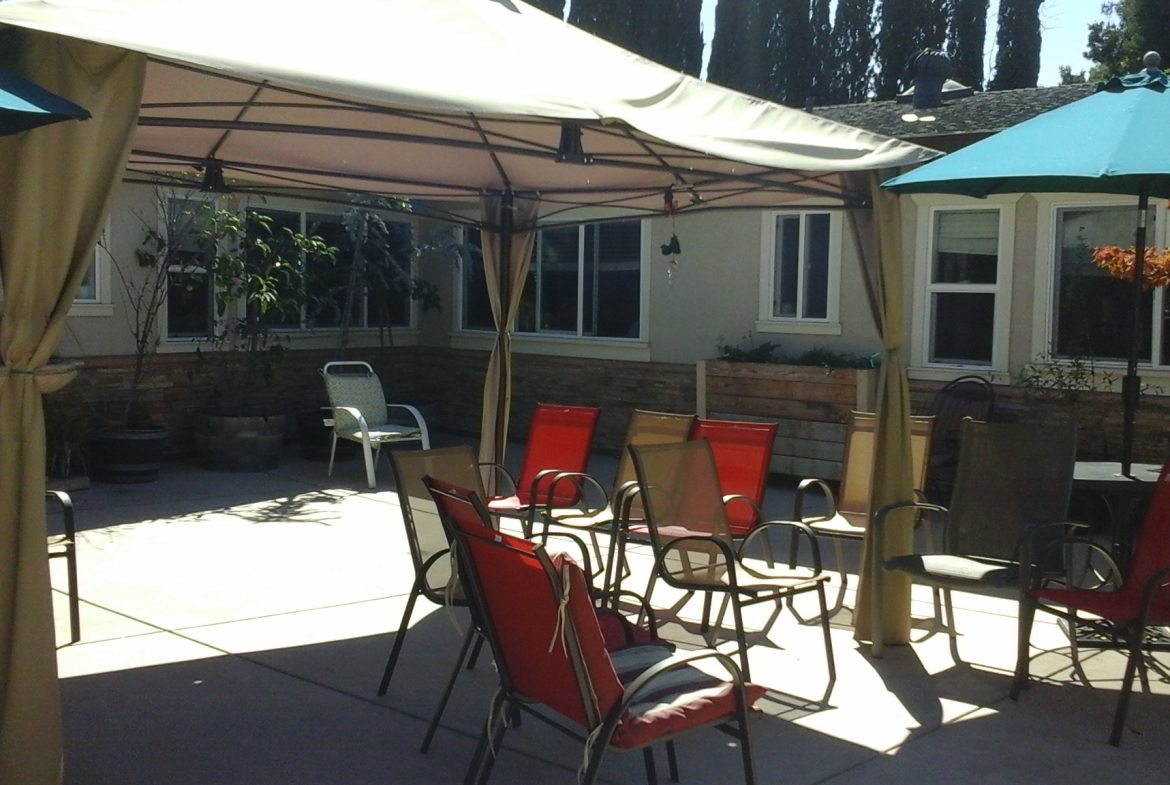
{"x":56,"y":182}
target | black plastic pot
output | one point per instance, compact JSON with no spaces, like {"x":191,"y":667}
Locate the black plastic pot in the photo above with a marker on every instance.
{"x":127,"y":455}
{"x":240,"y":444}
{"x":313,"y":436}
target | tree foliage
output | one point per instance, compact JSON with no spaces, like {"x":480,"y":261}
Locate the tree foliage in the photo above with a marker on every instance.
{"x":851,"y":45}
{"x":907,"y":27}
{"x":554,"y":7}
{"x":665,"y":31}
{"x":1017,"y":59}
{"x":738,"y":52}
{"x":966,"y":33}
{"x":1117,"y":46}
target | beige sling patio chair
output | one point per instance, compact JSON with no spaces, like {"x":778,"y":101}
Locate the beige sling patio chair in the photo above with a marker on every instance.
{"x":362,"y":415}
{"x":1012,"y":479}
{"x":693,"y":548}
{"x":847,"y":514}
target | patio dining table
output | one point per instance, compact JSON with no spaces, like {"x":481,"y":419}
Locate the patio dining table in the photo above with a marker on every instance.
{"x":1124,"y":494}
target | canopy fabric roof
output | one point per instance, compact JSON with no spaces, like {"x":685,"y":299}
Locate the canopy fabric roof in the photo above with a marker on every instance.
{"x":451,"y":101}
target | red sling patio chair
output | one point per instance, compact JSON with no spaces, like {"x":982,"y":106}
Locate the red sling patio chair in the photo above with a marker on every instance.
{"x":559,"y":440}
{"x":693,"y":547}
{"x":554,"y":661}
{"x":1123,"y":614}
{"x":742,"y":452}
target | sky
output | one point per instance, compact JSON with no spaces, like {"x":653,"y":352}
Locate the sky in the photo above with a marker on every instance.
{"x":1064,"y":32}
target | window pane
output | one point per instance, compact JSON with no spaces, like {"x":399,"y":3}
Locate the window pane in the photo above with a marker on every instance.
{"x":963,"y":327}
{"x":558,"y":279}
{"x":966,"y":247}
{"x":1092,"y":309}
{"x":816,"y":266}
{"x":189,"y":304}
{"x":787,"y":272}
{"x":477,"y":310}
{"x":88,"y":292}
{"x":612,"y":295}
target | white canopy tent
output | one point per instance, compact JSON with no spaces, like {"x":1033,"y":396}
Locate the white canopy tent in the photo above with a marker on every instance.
{"x":489,"y":102}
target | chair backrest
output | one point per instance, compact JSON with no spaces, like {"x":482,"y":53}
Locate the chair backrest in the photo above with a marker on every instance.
{"x":536,"y":612}
{"x":683,"y":502}
{"x":559,"y":438}
{"x":742,"y":452}
{"x":1152,"y":551}
{"x":1010,"y":475}
{"x":354,"y":384}
{"x":967,"y":396}
{"x":648,"y":427}
{"x":854,"y":501}
{"x":424,"y":531}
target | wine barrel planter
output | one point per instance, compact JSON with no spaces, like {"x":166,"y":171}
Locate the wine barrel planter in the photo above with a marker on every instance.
{"x":314,"y":433}
{"x":128,"y":455}
{"x":240,"y":444}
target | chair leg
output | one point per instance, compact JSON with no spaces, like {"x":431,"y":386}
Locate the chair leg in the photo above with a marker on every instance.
{"x":332,"y":451}
{"x":740,"y":638}
{"x":475,"y":650}
{"x":1027,"y":615}
{"x":1133,"y":635}
{"x":648,"y":763}
{"x":74,"y":598}
{"x":399,"y":639}
{"x":438,"y":715}
{"x":705,"y":624}
{"x":827,"y":633}
{"x":490,"y":739}
{"x":745,"y":742}
{"x":368,"y":454}
{"x":672,"y":761}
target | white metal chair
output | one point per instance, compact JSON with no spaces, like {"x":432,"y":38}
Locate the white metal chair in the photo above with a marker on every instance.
{"x":361,"y":414}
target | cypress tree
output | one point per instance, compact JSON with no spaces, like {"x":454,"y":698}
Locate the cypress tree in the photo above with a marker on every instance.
{"x":966,"y":34}
{"x":608,"y":19}
{"x":907,"y":27}
{"x":737,"y":48}
{"x":554,"y":7}
{"x":1017,"y":60}
{"x":821,"y":56}
{"x":851,"y":50}
{"x":788,"y":49}
{"x":669,"y":32}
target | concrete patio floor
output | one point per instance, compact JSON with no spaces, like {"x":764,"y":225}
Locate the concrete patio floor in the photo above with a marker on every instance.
{"x":235,"y":626}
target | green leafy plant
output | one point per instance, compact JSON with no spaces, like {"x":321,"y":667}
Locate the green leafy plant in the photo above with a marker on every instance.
{"x":1063,"y":380}
{"x":258,"y":270}
{"x":68,"y":430}
{"x":768,"y":352}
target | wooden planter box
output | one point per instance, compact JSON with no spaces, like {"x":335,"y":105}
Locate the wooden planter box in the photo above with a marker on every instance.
{"x":810,"y":403}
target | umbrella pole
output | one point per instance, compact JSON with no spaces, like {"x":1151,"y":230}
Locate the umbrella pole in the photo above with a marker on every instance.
{"x":503,"y":400}
{"x":1131,"y":384}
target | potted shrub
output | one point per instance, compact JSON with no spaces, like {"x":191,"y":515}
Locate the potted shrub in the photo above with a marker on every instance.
{"x":259,"y":274}
{"x":131,"y":448}
{"x":68,"y":431}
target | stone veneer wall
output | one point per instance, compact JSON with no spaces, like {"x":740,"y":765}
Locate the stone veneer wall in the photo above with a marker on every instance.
{"x":446,"y":385}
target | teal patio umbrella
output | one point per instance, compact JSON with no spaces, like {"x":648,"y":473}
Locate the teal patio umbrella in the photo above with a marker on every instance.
{"x":1103,"y":143}
{"x":24,"y":105}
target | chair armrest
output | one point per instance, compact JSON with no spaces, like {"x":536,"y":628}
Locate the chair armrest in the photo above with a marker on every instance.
{"x":585,"y":562}
{"x":1034,"y":564}
{"x":798,"y":529}
{"x":499,"y":470}
{"x":358,"y":417}
{"x":729,"y":558}
{"x":67,"y":520}
{"x":803,"y":489}
{"x":583,"y":481}
{"x":878,"y":523}
{"x":645,"y":610}
{"x":749,"y":501}
{"x":416,"y":414}
{"x":630,"y":694}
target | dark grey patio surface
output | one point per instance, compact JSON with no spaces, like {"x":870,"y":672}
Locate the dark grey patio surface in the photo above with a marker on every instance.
{"x":234,"y":627}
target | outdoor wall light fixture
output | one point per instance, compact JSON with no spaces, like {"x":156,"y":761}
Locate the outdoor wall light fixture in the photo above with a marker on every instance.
{"x":213,"y":181}
{"x":569,"y":150}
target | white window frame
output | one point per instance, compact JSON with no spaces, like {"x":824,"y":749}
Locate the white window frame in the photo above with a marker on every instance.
{"x":1044,"y":290}
{"x":101,"y":304}
{"x":586,"y":346}
{"x":800,"y":325}
{"x":924,"y":289}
